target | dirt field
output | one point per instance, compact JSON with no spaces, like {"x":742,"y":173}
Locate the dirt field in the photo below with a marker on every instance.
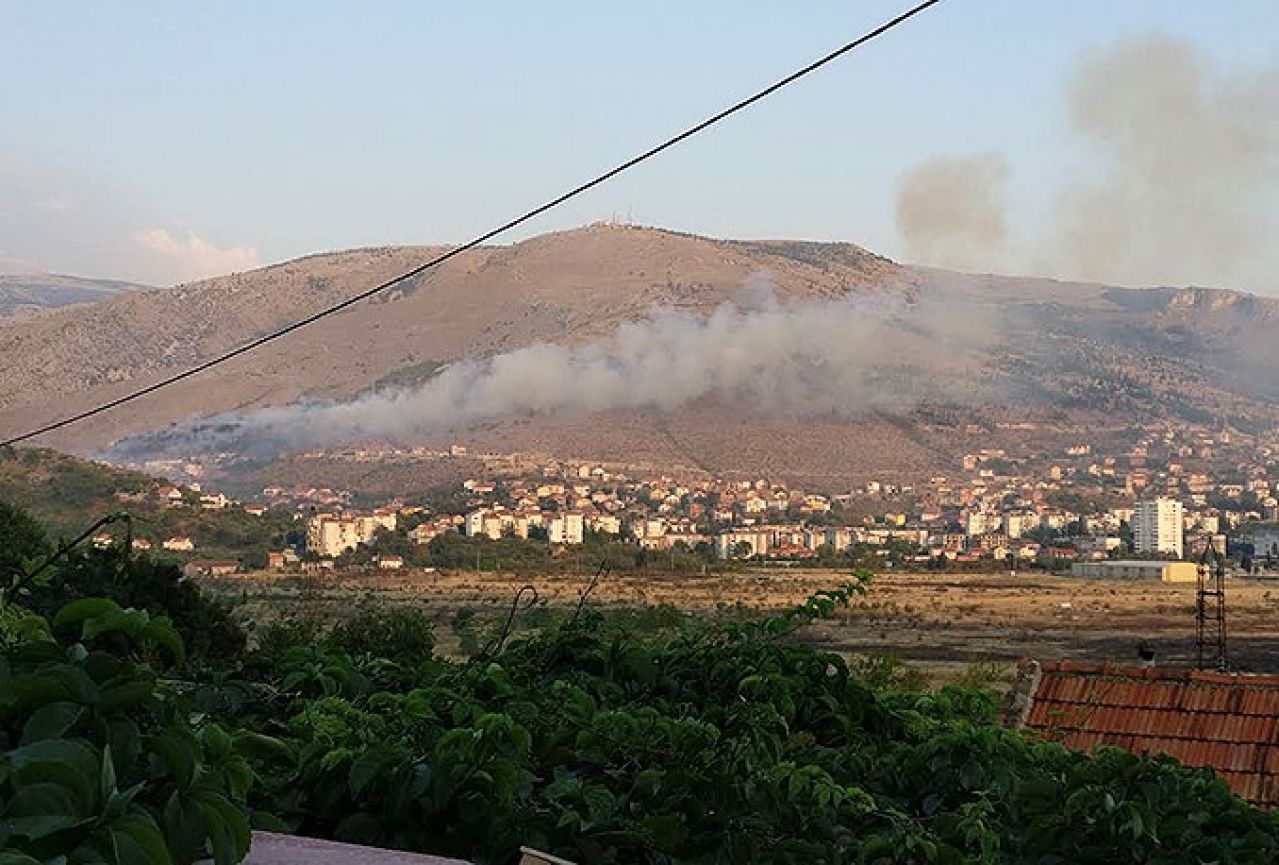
{"x":942,"y":622}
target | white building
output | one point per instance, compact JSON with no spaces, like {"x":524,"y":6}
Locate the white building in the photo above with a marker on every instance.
{"x":566,"y":528}
{"x":334,"y":534}
{"x":1157,"y":527}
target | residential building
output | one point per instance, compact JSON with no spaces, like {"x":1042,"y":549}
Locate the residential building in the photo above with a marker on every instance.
{"x":210,"y":568}
{"x":1157,"y":527}
{"x":566,"y":528}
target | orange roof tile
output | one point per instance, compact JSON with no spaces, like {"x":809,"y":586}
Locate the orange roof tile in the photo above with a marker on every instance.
{"x":1224,"y":721}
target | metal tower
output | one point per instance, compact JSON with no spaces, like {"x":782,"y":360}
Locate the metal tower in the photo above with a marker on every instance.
{"x":1210,"y":609}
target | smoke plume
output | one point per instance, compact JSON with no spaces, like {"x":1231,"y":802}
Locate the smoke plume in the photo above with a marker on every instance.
{"x":950,"y":210}
{"x":1182,"y":183}
{"x":1193,"y":162}
{"x":838,"y":357}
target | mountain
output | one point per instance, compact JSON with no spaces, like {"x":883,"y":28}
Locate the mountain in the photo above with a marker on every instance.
{"x":987,"y":351}
{"x":32,"y":291}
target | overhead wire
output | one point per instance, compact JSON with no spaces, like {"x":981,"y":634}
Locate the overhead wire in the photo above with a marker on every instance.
{"x":260,"y":341}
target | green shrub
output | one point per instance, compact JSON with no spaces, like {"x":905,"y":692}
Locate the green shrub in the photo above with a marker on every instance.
{"x":99,"y":763}
{"x":396,"y":634}
{"x":156,"y":586}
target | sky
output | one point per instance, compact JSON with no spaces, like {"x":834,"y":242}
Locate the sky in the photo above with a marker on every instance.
{"x":163,"y":142}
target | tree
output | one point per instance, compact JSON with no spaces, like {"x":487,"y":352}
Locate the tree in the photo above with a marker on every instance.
{"x":21,"y":538}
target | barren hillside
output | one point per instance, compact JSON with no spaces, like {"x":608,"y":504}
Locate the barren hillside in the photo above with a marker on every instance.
{"x":1069,"y":356}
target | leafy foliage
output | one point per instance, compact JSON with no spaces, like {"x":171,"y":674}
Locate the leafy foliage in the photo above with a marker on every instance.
{"x":156,"y":586}
{"x":605,"y":739}
{"x":99,"y":762}
{"x":606,"y":743}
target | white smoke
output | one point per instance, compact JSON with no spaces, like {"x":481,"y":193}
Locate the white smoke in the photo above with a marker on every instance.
{"x":844,"y":357}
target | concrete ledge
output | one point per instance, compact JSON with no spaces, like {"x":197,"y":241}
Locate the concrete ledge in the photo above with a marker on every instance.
{"x":270,"y":848}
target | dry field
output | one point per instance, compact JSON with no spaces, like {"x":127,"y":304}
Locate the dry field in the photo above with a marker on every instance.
{"x":942,"y":622}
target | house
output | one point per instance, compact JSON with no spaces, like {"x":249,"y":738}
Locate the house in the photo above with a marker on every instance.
{"x":213,"y":501}
{"x":279,"y":560}
{"x":140,"y":544}
{"x":390,"y":563}
{"x":210,"y":568}
{"x":179,"y":544}
{"x":255,"y":510}
{"x":1222,"y":721}
{"x":169,"y":496}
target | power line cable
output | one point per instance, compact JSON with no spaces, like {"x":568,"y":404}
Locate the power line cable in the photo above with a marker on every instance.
{"x":489,"y":235}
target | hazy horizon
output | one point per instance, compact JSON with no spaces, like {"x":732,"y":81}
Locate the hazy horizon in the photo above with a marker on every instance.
{"x":1132,"y":145}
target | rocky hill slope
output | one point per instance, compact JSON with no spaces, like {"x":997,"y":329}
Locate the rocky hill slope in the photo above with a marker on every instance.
{"x":992,"y":348}
{"x":29,"y":292}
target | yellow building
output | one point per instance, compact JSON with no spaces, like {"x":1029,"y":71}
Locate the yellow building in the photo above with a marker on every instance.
{"x":1168,"y":572}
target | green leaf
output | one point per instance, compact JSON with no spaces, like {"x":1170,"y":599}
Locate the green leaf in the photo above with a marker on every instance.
{"x":366,"y":767}
{"x":142,"y":839}
{"x":107,"y":787}
{"x":68,"y":762}
{"x":16,"y":857}
{"x":84,"y":608}
{"x":160,"y":631}
{"x":177,"y":750}
{"x":131,"y":622}
{"x":50,"y":721}
{"x":41,"y":825}
{"x":664,"y":830}
{"x":127,"y":693}
{"x":39,"y":800}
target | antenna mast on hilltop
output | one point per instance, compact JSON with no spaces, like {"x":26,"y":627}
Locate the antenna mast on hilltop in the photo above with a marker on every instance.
{"x":1211,"y":593}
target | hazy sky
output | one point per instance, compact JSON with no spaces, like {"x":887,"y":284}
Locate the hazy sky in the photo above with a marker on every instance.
{"x":163,"y":141}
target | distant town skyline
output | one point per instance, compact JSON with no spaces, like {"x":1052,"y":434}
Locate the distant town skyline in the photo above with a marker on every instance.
{"x":1131,"y":143}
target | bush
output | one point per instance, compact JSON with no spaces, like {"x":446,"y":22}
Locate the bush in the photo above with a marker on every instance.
{"x":393,"y":633}
{"x":100,"y":764}
{"x":156,"y":586}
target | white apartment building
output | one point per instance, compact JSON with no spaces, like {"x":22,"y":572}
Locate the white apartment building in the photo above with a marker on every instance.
{"x":566,"y":528}
{"x":334,"y":534}
{"x":1157,"y":526}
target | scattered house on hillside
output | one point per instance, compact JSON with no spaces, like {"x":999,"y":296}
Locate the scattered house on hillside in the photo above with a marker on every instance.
{"x":210,"y":568}
{"x":255,"y":510}
{"x":169,"y":496}
{"x":102,"y":540}
{"x":213,"y":501}
{"x":179,"y":544}
{"x":1223,"y":721}
{"x":281,"y":560}
{"x":390,"y":563}
{"x":140,"y":544}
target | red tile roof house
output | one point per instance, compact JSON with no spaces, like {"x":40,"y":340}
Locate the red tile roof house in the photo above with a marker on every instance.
{"x":1228,"y":722}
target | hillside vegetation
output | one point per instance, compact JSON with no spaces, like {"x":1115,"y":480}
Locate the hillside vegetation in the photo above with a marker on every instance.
{"x":68,"y":494}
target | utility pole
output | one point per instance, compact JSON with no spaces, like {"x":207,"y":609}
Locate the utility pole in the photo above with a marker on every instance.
{"x":1210,"y":608}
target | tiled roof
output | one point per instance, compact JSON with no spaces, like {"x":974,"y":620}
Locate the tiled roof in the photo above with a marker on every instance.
{"x":1226,"y":721}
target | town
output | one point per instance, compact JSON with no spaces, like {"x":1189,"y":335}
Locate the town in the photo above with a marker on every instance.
{"x":1171,"y":496}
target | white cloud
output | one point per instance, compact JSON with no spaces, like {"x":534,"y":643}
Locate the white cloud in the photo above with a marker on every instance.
{"x":192,"y":257}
